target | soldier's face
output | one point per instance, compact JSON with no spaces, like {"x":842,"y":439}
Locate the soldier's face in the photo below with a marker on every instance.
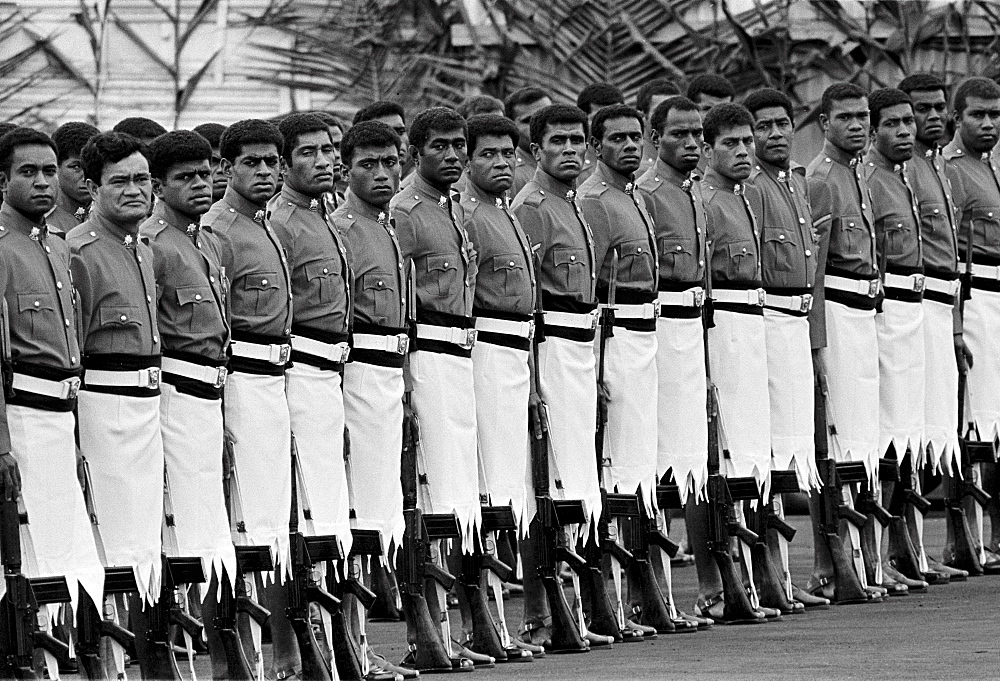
{"x":311,"y":170}
{"x":621,"y":145}
{"x":374,"y":174}
{"x":336,"y":137}
{"x":395,"y":121}
{"x":895,"y":133}
{"x":491,"y":165}
{"x":706,"y":101}
{"x":125,"y":192}
{"x":562,"y":150}
{"x":187,"y":187}
{"x":72,"y":183}
{"x":522,"y":117}
{"x":732,"y":154}
{"x":219,"y":180}
{"x":979,"y":124}
{"x":930,"y":110}
{"x":772,"y":135}
{"x":679,"y":145}
{"x":32,"y":183}
{"x":441,"y":159}
{"x":846,"y":126}
{"x":254,"y":173}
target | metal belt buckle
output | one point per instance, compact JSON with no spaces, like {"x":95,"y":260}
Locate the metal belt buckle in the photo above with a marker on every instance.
{"x":345,"y":354}
{"x":699,"y":298}
{"x":873,"y":288}
{"x":761,"y":298}
{"x":220,"y":377}
{"x":152,"y":378}
{"x":71,"y":386}
{"x":919,"y":281}
{"x":531,"y":329}
{"x":656,"y":310}
{"x":594,"y":316}
{"x":806,"y":303}
{"x":280,"y":353}
{"x":470,"y":339}
{"x":402,"y":344}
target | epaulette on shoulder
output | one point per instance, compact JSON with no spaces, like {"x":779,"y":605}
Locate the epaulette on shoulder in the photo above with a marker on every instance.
{"x":535,"y":197}
{"x":221,"y":218}
{"x":78,"y":238}
{"x":406,"y":203}
{"x":3,"y":231}
{"x":951,"y":152}
{"x":821,"y":167}
{"x":343,"y":223}
{"x":470,"y":205}
{"x":708,"y":192}
{"x":152,"y":228}
{"x":649,"y":182}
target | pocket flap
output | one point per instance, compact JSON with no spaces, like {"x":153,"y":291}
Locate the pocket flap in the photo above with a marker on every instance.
{"x":569,"y":256}
{"x":260,"y":281}
{"x":120,"y":316}
{"x":740,"y":249}
{"x":509,"y":261}
{"x":633,"y":249}
{"x":377,"y":281}
{"x":190,"y":295}
{"x":321,"y":269}
{"x":29,"y":302}
{"x":441,"y":262}
{"x":849,"y":222}
{"x":775,"y":237}
{"x":673,"y":244}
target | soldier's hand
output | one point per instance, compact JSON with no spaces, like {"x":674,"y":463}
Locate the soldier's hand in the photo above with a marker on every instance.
{"x":819,"y":364}
{"x":81,"y":470}
{"x":227,"y":459}
{"x":410,"y":427}
{"x":962,"y":354}
{"x":536,"y":413}
{"x":10,"y":477}
{"x":347,"y":443}
{"x":603,"y":398}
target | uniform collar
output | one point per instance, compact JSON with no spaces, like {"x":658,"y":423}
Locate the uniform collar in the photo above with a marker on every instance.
{"x":551,"y":184}
{"x":118,"y":231}
{"x":242,"y":205}
{"x":422,"y":186}
{"x":835,"y":153}
{"x":671,"y":174}
{"x":12,"y":218}
{"x":722,"y":183}
{"x":477,"y":194}
{"x":774,"y":172}
{"x":69,"y":205}
{"x":172,"y":217}
{"x":525,"y":158}
{"x":359,"y":207}
{"x":923,"y":151}
{"x":301,"y":200}
{"x":879,"y":160}
{"x":613,"y":178}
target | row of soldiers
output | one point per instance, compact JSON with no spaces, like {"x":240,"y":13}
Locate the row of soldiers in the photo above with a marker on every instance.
{"x":507,"y":326}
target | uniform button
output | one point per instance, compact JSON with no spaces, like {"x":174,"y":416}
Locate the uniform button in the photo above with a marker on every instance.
{"x":744,"y":250}
{"x":263,"y":282}
{"x":66,"y":321}
{"x":808,"y":253}
{"x":161,"y":222}
{"x":72,"y":358}
{"x":93,"y":234}
{"x":989,"y":215}
{"x":48,"y":250}
{"x":326,"y":271}
{"x":701,"y":263}
{"x":399,"y":265}
{"x":37,"y":303}
{"x":197,"y":296}
{"x":149,"y":299}
{"x":638,"y":249}
{"x":572,"y":257}
{"x":232,"y":210}
{"x":446,"y":264}
{"x":863,"y":205}
{"x":657,"y":179}
{"x":139,"y":258}
{"x":473,"y":200}
{"x":156,"y":339}
{"x":124,"y":318}
{"x":850,"y":224}
{"x":349,"y":215}
{"x":288,"y":330}
{"x":781,"y":237}
{"x":380,"y":283}
{"x":697,"y":230}
{"x":593,"y":276}
{"x":511,"y":263}
{"x":541,"y":192}
{"x":211,"y":279}
{"x":899,"y":224}
{"x":59,"y":285}
{"x":680,"y":248}
{"x":802,"y":221}
{"x":936,"y":211}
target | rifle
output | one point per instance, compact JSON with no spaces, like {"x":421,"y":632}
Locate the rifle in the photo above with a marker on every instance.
{"x":490,"y":637}
{"x":771,"y":581}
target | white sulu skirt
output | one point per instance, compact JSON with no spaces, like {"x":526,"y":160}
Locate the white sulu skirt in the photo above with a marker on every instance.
{"x":120,"y":438}
{"x":193,"y":440}
{"x":503,"y":383}
{"x":901,"y":376}
{"x":61,"y":538}
{"x":736,"y":348}
{"x":444,"y":404}
{"x":630,"y":437}
{"x":851,"y":358}
{"x":373,"y":412}
{"x":790,"y":387}
{"x":980,"y":323}
{"x":257,"y":425}
{"x":681,"y":418}
{"x":316,"y":414}
{"x":940,"y":387}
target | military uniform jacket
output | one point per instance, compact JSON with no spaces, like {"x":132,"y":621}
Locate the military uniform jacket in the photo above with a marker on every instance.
{"x":977,"y":201}
{"x":674,"y":202}
{"x":191,"y":287}
{"x":938,"y":225}
{"x":321,"y":276}
{"x":733,"y":211}
{"x":61,"y":221}
{"x":377,"y":265}
{"x":431,"y":230}
{"x":788,"y":241}
{"x":524,"y":170}
{"x":619,"y":222}
{"x":551,"y":217}
{"x":260,"y":290}
{"x":505,"y":281}
{"x":897,"y":218}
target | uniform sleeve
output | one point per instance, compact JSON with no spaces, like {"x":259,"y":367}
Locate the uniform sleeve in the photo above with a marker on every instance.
{"x":535,"y":228}
{"x":820,"y":208}
{"x":85,"y":295}
{"x":5,"y":446}
{"x":405,"y":235}
{"x":597,"y":217}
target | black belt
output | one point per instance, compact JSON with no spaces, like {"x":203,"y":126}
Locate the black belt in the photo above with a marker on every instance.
{"x":245,"y":365}
{"x":124,"y":364}
{"x":382,"y":358}
{"x":190,"y":386}
{"x":24,"y":398}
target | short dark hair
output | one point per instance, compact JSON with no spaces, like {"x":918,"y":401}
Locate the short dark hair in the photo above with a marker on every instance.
{"x":439,"y":118}
{"x":883,"y":99}
{"x":70,"y":138}
{"x":212,"y":132}
{"x":601,"y":94}
{"x":179,"y":146}
{"x":724,"y":117}
{"x":249,"y":131}
{"x":612,"y":112}
{"x":7,"y":127}
{"x":922,"y":82}
{"x":106,"y":148}
{"x":556,"y":114}
{"x":139,"y":127}
{"x":657,"y":86}
{"x":767,"y":97}
{"x":367,"y":135}
{"x":478,"y":104}
{"x":838,"y":92}
{"x":710,"y":84}
{"x":328,"y":118}
{"x":294,"y":126}
{"x":490,"y":124}
{"x":984,"y":88}
{"x":659,"y":118}
{"x":21,"y":137}
{"x":525,"y":95}
{"x":378,"y":110}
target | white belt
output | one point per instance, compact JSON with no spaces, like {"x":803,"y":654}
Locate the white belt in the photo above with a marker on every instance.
{"x":986,"y":271}
{"x":275,"y":353}
{"x":463,"y":338}
{"x":802,"y":303}
{"x":331,"y":352}
{"x":572,"y":320}
{"x":213,"y":376}
{"x":908,"y":282}
{"x":141,"y":378}
{"x":693,"y":297}
{"x":65,"y":389}
{"x":506,"y":327}
{"x":397,"y":344}
{"x":753,"y":296}
{"x":862,"y":287}
{"x":640,"y":311}
{"x":949,"y":287}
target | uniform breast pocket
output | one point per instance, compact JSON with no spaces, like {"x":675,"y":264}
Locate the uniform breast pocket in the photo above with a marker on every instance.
{"x":742,"y":260}
{"x":321,"y":276}
{"x":509,"y":275}
{"x":123,"y":324}
{"x":380,"y":288}
{"x":986,"y":225}
{"x":260,"y":289}
{"x":571,"y":269}
{"x":780,"y":252}
{"x":441,"y":271}
{"x":34,"y":309}
{"x":849,"y":235}
{"x":196,"y":305}
{"x":896,"y":232}
{"x":677,"y":257}
{"x":934,"y":219}
{"x":636,"y":261}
